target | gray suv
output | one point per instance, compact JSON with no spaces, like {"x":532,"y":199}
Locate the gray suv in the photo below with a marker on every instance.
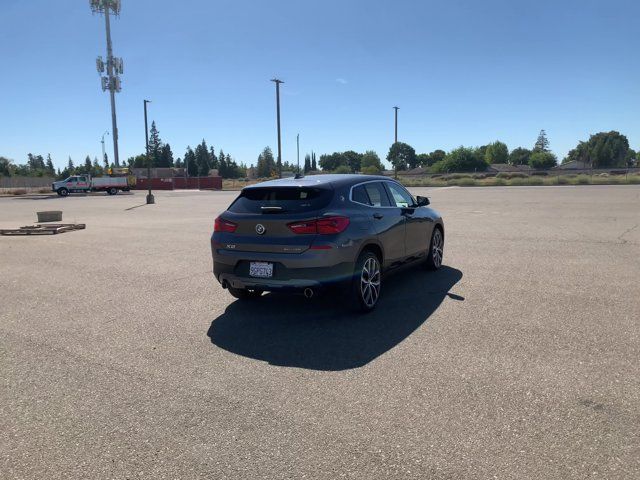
{"x":307,"y":234}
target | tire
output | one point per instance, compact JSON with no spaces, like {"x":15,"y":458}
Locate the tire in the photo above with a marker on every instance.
{"x":436,"y":250}
{"x":63,"y":192}
{"x":244,"y":294}
{"x":366,"y":284}
{"x":112,"y":191}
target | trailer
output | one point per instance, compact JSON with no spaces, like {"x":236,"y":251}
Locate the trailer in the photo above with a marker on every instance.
{"x":86,"y":183}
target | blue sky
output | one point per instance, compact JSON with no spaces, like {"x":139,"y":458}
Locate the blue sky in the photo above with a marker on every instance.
{"x":462,"y":72}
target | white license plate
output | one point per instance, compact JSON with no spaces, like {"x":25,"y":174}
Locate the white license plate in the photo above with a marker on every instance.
{"x":261,"y":269}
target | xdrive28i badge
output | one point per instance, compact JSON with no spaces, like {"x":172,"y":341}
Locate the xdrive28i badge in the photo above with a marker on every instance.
{"x":260,"y":229}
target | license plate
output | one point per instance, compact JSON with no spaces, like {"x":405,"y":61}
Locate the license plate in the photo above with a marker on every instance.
{"x":261,"y":269}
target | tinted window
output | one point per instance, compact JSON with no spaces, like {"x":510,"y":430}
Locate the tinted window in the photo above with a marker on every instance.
{"x":377,"y":195}
{"x":400,"y":196}
{"x":274,"y":200}
{"x":359,"y":195}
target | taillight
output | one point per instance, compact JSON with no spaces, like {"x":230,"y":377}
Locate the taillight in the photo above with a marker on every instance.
{"x":222,"y":225}
{"x":322,"y":226}
{"x":331,"y":225}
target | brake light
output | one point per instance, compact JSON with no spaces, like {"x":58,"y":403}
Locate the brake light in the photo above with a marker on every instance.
{"x":322,"y":226}
{"x":222,"y":225}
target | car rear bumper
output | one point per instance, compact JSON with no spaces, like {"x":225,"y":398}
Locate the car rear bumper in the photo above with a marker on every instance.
{"x":236,"y":275}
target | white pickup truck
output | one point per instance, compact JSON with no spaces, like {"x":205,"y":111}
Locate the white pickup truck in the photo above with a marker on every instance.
{"x":84,"y":183}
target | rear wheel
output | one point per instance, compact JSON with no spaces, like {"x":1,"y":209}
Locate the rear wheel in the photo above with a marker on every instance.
{"x":366,"y":284}
{"x":63,"y":192}
{"x":112,"y":191}
{"x":436,"y":250}
{"x":243,"y":293}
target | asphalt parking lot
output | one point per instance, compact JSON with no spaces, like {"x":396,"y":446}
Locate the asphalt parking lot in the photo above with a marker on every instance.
{"x":121,"y":357}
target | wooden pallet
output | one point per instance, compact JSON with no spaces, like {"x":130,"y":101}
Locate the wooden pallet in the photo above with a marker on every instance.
{"x":49,"y":229}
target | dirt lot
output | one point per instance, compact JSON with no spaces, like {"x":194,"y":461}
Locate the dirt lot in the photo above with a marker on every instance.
{"x":121,"y":357}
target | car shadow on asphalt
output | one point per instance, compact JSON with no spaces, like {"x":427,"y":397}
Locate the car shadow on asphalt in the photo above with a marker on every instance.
{"x":321,"y":333}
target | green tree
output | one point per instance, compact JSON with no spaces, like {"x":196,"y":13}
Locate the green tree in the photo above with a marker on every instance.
{"x":50,"y":168}
{"x":202,"y":159}
{"x":519,"y":156}
{"x":307,"y":163}
{"x":354,"y":160}
{"x":330,"y":162}
{"x":214,"y":159}
{"x":166,"y":156}
{"x":342,"y":169}
{"x":191,"y":163}
{"x":371,"y":163}
{"x":497,"y":152}
{"x":462,"y":159}
{"x":542,"y":160}
{"x":5,"y":167}
{"x":428,"y":159}
{"x":542,"y":143}
{"x":87,"y":165}
{"x":401,"y":156}
{"x":630,"y":158}
{"x":266,"y":164}
{"x":606,"y":149}
{"x":314,"y":164}
{"x":155,"y":145}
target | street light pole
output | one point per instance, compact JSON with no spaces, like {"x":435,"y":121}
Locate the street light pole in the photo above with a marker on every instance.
{"x":279,"y":163}
{"x":396,"y":136}
{"x":150,"y":198}
{"x":298,"y":150}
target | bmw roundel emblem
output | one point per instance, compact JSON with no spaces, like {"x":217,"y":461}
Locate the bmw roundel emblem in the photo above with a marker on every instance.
{"x":260,"y":229}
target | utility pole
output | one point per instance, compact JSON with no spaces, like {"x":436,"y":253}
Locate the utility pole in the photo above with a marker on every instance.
{"x":279,"y":162}
{"x":150,"y":198}
{"x":298,"y":150}
{"x":396,"y":136}
{"x":114,"y":66}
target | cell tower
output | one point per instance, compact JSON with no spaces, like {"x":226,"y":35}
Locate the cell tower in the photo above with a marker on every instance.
{"x":113,"y":66}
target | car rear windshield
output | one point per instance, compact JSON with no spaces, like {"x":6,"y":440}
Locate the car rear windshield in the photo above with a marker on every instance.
{"x":274,"y":200}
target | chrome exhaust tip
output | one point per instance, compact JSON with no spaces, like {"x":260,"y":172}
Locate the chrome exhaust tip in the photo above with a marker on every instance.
{"x":308,"y":292}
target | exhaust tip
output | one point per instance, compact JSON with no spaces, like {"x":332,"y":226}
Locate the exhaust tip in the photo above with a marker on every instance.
{"x":225,"y":285}
{"x":308,"y":292}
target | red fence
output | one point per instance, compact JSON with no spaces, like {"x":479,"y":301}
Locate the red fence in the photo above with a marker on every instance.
{"x":180,"y":182}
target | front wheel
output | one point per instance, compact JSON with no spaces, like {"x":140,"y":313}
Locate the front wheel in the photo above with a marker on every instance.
{"x":367,"y":282}
{"x":112,"y":191}
{"x":63,"y":192}
{"x":436,"y":250}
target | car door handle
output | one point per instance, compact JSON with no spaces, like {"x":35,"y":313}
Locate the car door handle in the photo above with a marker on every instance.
{"x":377,"y":216}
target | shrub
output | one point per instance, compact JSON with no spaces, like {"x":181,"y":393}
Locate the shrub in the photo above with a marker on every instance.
{"x":535,"y":181}
{"x":634,"y":179}
{"x":466,"y":182}
{"x":500,"y":181}
{"x":517,"y":182}
{"x":583,"y":180}
{"x":562,"y":180}
{"x":541,"y":174}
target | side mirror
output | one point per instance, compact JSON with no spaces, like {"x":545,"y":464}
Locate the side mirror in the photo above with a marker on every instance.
{"x":422,"y":201}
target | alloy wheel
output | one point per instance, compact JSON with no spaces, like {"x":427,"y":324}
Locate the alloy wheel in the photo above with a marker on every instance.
{"x":370,"y":282}
{"x":437,"y":248}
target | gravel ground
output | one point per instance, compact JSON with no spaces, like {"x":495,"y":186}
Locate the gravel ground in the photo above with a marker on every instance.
{"x":121,"y":357}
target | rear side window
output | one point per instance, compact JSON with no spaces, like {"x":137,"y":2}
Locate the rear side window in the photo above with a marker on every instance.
{"x":377,"y":194}
{"x":274,"y":200}
{"x":359,"y":195}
